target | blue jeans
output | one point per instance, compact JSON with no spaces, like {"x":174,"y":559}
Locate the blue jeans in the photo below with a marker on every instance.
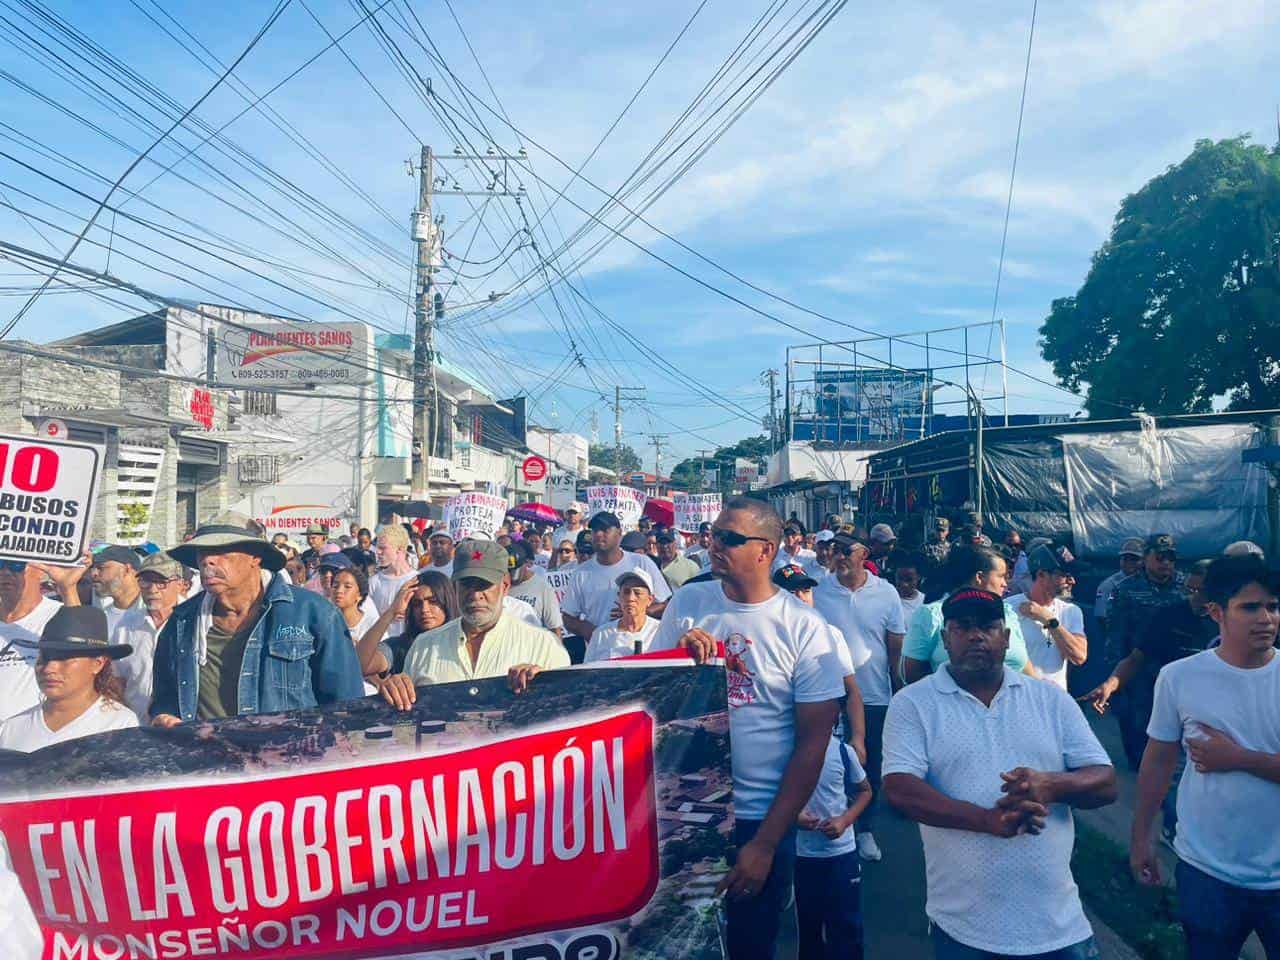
{"x":1217,"y":917}
{"x":752,"y":922}
{"x":829,"y":907}
{"x":945,"y":948}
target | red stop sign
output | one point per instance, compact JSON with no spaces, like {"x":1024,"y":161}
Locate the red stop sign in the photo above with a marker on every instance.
{"x":534,"y":468}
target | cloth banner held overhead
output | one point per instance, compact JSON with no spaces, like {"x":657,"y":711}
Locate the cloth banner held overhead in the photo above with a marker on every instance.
{"x":474,"y":515}
{"x":626,"y":502}
{"x":695,"y":508}
{"x":353,"y":831}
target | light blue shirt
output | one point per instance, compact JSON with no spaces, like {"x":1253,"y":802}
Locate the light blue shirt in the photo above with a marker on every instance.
{"x":924,"y":638}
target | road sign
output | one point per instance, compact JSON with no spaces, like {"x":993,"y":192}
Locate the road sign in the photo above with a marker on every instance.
{"x":534,"y":468}
{"x":47,"y":489}
{"x":53,"y":429}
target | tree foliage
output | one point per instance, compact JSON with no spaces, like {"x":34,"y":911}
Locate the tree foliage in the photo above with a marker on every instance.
{"x":687,"y":474}
{"x":1182,"y":303}
{"x":602,"y":455}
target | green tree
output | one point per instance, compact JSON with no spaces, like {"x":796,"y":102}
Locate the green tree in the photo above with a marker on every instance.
{"x":1182,"y":302}
{"x":603,"y":456}
{"x":687,"y":474}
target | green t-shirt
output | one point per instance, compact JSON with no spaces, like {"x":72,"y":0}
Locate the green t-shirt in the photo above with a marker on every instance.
{"x":219,"y":694}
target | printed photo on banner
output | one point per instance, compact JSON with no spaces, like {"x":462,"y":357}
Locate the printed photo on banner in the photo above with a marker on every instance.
{"x":626,"y":502}
{"x":695,"y":508}
{"x":353,"y":831}
{"x":474,"y":515}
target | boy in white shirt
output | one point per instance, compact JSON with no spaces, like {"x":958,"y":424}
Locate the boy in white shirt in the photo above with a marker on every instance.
{"x":828,"y":868}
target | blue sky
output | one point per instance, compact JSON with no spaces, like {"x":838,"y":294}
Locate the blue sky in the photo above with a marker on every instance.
{"x":867,"y":184}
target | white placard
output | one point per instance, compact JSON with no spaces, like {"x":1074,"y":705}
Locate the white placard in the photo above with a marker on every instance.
{"x":262,"y":354}
{"x":624,"y":502}
{"x":47,"y":490}
{"x":474,"y":515}
{"x":695,"y":508}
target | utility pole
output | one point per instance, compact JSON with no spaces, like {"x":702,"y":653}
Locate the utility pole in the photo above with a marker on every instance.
{"x":425,"y":238}
{"x":637,"y":393}
{"x":658,"y":441}
{"x":770,"y":377}
{"x":702,"y":469}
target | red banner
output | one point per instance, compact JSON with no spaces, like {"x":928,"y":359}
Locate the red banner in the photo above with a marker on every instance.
{"x":381,"y":859}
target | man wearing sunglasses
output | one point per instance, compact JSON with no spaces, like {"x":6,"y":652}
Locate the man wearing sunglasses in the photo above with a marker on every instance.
{"x":784,"y":684}
{"x":164,"y":583}
{"x":24,"y":611}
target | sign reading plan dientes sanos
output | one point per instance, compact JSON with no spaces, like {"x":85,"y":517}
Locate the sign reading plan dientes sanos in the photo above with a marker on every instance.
{"x":47,"y":489}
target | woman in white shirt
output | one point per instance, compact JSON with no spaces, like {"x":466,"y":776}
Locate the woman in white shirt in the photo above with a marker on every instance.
{"x":633,"y":631}
{"x":81,"y":695}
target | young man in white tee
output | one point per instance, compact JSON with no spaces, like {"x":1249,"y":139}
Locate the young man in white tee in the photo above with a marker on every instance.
{"x":784,"y":684}
{"x":989,"y":762}
{"x":589,"y":599}
{"x":394,"y":570}
{"x":868,"y":613}
{"x":1223,"y":705}
{"x":1052,"y":627}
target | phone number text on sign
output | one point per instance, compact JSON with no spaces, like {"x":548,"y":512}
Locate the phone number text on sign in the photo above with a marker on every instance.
{"x":47,"y":489}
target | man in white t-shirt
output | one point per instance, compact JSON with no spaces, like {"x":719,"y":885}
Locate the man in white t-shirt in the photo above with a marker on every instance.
{"x":24,"y":611}
{"x":794,"y":551}
{"x":589,"y":599}
{"x":700,"y":551}
{"x":784,"y":683}
{"x":633,"y":632}
{"x":440,"y":552}
{"x":529,"y":586}
{"x":1052,"y":627}
{"x":115,"y":582}
{"x":572,"y":525}
{"x":394,"y":570}
{"x":164,"y":583}
{"x":867,"y":611}
{"x":989,"y":763}
{"x":907,"y":569}
{"x":1223,"y":705}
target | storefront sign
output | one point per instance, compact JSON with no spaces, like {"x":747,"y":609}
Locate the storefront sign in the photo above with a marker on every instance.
{"x":202,"y":408}
{"x":47,"y":492}
{"x":533,"y":469}
{"x":263,"y":354}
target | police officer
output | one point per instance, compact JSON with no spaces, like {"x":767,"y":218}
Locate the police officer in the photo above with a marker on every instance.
{"x":1134,"y":603}
{"x":938,"y":547}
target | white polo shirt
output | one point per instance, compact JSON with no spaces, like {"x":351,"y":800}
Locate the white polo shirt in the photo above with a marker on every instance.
{"x":778,"y":653}
{"x":441,"y":656}
{"x":137,"y":629}
{"x":863,"y":617}
{"x":1041,"y":648}
{"x":611,"y":641}
{"x":1013,"y":895}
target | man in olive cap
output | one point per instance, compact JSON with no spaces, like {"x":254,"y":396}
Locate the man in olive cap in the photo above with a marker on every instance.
{"x":484,"y":640}
{"x":115,"y":581}
{"x":164,"y":583}
{"x":249,"y":642}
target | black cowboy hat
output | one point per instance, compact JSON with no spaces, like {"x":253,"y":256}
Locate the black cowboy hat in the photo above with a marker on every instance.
{"x":77,"y":632}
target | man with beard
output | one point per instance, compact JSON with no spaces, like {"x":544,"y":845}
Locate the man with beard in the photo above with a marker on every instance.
{"x":115,"y":582}
{"x":484,"y":641}
{"x":1052,"y":627}
{"x":989,"y":762}
{"x":439,"y":552}
{"x":394,"y":570}
{"x":248,"y":643}
{"x":164,"y":583}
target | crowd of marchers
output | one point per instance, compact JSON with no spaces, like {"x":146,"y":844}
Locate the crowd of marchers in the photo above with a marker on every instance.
{"x":858,"y":673}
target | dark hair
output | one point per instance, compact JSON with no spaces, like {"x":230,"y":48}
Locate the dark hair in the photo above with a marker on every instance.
{"x":965,"y":562}
{"x":900,"y":559}
{"x":522,"y":552}
{"x":364,"y":532}
{"x":1227,"y":576}
{"x":445,"y":593}
{"x":361,"y":578}
{"x":1200,"y":568}
{"x":108,"y":684}
{"x":766,"y":518}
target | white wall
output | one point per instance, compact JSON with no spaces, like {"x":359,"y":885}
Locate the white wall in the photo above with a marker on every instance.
{"x":800,"y":461}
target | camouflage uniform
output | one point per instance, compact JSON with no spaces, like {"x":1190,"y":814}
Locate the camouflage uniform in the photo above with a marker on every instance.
{"x":936,"y":552}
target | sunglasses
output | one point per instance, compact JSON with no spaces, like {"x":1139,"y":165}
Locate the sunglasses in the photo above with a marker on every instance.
{"x":13,"y":566}
{"x":565,"y":550}
{"x":731,"y":538}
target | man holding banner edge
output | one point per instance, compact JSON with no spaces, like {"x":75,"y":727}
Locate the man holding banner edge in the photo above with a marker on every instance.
{"x":784,"y":681}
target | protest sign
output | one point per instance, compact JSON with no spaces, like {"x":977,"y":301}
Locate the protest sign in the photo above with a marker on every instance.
{"x":625,"y":502}
{"x":355,"y":831}
{"x":474,"y":515}
{"x":744,"y":472}
{"x":47,"y":491}
{"x":695,"y":508}
{"x":559,"y":580}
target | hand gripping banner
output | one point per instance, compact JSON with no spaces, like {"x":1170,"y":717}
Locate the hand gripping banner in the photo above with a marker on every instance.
{"x":585,"y":819}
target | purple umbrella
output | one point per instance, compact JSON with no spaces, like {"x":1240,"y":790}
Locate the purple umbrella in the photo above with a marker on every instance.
{"x":535,"y":513}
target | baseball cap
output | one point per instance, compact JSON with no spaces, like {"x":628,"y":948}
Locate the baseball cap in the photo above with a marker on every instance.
{"x":337,"y":560}
{"x":639,"y":573}
{"x":704,"y":526}
{"x":1131,"y":547}
{"x":576,"y":507}
{"x":1243,"y":548}
{"x":119,"y":554}
{"x":665,"y":536}
{"x":635,"y":540}
{"x":822,"y":536}
{"x":941,"y":523}
{"x":792,"y":577}
{"x":440,"y":532}
{"x":1052,"y":559}
{"x":1160,"y":543}
{"x":163,"y":565}
{"x":980,"y":604}
{"x":604,"y":520}
{"x":883,"y":533}
{"x":317,"y":528}
{"x":485,"y":560}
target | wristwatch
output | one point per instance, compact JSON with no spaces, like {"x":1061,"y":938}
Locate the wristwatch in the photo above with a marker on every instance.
{"x":1052,"y":623}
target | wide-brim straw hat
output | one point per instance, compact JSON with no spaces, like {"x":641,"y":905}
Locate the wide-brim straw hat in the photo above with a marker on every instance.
{"x":225,"y":532}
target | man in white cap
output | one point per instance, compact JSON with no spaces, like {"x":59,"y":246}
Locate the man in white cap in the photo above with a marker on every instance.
{"x":440,"y":552}
{"x":572,"y":525}
{"x":633,"y":631}
{"x":164,"y":583}
{"x":1130,"y":563}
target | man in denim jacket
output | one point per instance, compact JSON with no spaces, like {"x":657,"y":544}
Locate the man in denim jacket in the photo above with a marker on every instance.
{"x":250,"y":642}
